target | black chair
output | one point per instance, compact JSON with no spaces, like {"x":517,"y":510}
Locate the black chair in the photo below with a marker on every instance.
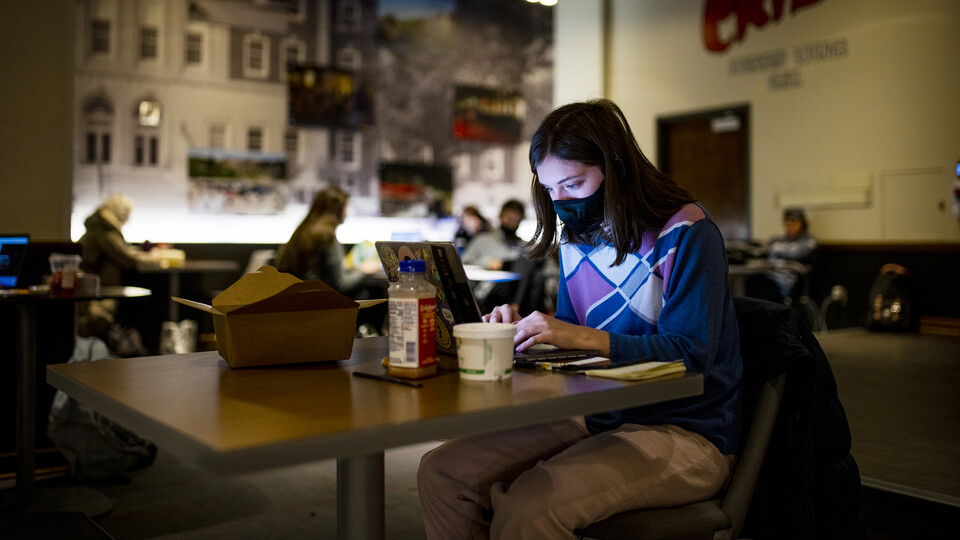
{"x":789,"y":397}
{"x":718,"y":518}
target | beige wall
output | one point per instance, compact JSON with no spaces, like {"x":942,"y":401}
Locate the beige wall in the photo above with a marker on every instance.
{"x":867,"y":141}
{"x":36,"y":101}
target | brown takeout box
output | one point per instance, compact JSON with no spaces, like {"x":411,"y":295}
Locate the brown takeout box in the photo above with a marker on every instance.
{"x":270,"y":317}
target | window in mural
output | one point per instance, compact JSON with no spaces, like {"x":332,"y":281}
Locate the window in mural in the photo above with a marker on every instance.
{"x":255,"y":139}
{"x":148,"y":113}
{"x":148,"y":42}
{"x":291,"y":140}
{"x":293,"y":51}
{"x":256,"y":50}
{"x":349,"y":16}
{"x":193,"y":48}
{"x":145,"y":149}
{"x":97,"y":128}
{"x":218,"y":136}
{"x":99,"y":36}
{"x":347,"y":148}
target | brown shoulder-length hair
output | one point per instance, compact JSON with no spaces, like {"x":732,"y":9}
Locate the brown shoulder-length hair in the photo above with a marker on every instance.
{"x":317,"y":229}
{"x":637,"y":196}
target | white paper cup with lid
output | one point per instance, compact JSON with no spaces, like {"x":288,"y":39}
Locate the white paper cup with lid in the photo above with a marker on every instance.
{"x":485,"y":350}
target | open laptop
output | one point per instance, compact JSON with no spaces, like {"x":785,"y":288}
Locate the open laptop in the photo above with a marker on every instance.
{"x":13,"y":247}
{"x":455,"y":301}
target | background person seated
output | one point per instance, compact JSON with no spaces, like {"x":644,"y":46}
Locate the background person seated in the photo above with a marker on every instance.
{"x":795,"y":245}
{"x":502,"y":249}
{"x":496,"y":248}
{"x":472,"y":223}
{"x":106,"y":253}
{"x":313,"y":252}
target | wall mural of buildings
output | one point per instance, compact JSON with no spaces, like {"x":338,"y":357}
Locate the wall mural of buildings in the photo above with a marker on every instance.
{"x":222,"y":118}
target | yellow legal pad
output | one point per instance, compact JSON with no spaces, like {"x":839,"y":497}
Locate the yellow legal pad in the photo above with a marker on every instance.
{"x":640,"y":372}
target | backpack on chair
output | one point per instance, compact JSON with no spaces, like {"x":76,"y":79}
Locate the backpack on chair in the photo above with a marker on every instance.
{"x":892,"y":301}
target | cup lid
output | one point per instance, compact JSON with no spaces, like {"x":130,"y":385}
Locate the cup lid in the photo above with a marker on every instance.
{"x":483,"y":330}
{"x":65,"y":257}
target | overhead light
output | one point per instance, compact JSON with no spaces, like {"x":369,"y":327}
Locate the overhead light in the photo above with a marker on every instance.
{"x":544,"y":2}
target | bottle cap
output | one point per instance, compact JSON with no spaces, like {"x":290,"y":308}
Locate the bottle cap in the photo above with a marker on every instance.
{"x":410,"y":265}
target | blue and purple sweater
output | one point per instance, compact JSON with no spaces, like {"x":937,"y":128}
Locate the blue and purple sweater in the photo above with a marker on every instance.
{"x":671,"y":300}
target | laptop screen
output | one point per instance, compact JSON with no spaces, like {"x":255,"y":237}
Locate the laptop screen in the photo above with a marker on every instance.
{"x":12,"y":249}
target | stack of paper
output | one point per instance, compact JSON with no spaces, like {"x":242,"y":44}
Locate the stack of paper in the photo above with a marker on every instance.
{"x":640,"y":372}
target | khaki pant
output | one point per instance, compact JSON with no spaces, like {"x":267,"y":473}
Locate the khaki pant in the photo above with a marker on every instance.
{"x":544,"y":481}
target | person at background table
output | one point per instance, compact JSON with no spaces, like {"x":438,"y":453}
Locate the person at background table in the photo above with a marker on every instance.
{"x":313,"y":251}
{"x":107,"y":254}
{"x":502,"y":249}
{"x":105,"y":251}
{"x":796,"y":244}
{"x":643,"y":273}
{"x":472,"y":223}
{"x":496,"y":248}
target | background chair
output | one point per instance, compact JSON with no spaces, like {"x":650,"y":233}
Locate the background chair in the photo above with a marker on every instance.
{"x":799,"y":296}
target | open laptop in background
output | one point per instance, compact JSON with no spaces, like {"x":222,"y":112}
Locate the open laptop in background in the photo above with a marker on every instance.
{"x":13,"y":247}
{"x":455,"y":301}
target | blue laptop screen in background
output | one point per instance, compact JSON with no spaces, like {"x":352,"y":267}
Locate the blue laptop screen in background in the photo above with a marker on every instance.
{"x":12,"y":249}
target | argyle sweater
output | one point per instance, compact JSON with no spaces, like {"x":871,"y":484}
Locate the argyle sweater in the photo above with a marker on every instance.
{"x":670,"y":299}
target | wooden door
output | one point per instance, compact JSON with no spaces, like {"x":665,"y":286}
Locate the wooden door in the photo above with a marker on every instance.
{"x":707,"y":153}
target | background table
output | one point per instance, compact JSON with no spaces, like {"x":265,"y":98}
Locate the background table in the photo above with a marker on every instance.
{"x":27,"y":306}
{"x":237,"y":420}
{"x":174,"y":277}
{"x":481,"y":274}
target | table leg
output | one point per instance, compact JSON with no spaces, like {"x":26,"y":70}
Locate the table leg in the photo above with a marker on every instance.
{"x":173,"y":309}
{"x":360,"y":508}
{"x":26,"y":405}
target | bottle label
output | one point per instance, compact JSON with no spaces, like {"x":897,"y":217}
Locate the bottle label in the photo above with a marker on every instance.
{"x":413,"y":332}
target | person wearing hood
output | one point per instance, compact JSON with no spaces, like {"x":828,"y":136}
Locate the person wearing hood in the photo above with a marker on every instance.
{"x":105,"y":252}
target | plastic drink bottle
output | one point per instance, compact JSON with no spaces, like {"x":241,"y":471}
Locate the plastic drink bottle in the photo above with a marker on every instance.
{"x":412,"y":308}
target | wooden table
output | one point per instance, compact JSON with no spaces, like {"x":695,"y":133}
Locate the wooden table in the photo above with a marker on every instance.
{"x":27,"y":306}
{"x":239,"y":420}
{"x":899,"y":391}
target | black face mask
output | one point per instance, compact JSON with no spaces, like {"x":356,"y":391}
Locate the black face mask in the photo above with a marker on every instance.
{"x":581,"y":215}
{"x":509,"y":235}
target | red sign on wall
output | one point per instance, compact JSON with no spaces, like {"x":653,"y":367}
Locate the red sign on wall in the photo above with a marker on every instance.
{"x":747,"y":12}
